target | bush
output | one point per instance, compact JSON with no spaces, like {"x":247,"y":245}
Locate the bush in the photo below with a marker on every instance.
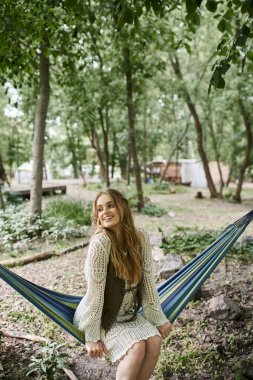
{"x":193,"y":242}
{"x":152,"y":209}
{"x":49,"y":363}
{"x":16,"y":230}
{"x":185,"y":241}
{"x":69,"y":209}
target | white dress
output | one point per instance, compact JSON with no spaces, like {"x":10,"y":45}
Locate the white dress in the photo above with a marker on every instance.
{"x":122,"y":335}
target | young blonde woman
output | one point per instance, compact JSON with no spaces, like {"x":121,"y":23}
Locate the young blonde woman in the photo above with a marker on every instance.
{"x":120,"y":280}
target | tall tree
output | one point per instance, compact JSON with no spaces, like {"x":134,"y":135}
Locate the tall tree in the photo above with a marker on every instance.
{"x":199,"y":130}
{"x":247,"y":121}
{"x":39,"y":132}
{"x":33,"y":32}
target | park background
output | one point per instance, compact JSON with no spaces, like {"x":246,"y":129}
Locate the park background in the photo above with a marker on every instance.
{"x":153,"y":98}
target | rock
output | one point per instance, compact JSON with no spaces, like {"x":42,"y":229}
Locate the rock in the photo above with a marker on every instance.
{"x":156,"y":240}
{"x":222,"y":307}
{"x":171,"y":265}
{"x":203,"y":293}
{"x":157,"y":253}
{"x":171,"y":214}
{"x":248,"y":239}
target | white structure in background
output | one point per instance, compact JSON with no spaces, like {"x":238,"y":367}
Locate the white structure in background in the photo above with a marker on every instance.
{"x":23,"y":174}
{"x":193,"y":171}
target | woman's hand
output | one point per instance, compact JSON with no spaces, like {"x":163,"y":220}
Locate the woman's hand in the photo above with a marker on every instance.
{"x":165,"y":329}
{"x":95,"y":349}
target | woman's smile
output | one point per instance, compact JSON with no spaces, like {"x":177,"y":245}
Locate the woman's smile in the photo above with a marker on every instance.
{"x":108,"y":214}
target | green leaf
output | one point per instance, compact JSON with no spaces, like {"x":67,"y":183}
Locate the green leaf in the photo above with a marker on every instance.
{"x":245,"y":30}
{"x":195,"y":18}
{"x":222,"y":26}
{"x":247,"y":7}
{"x":224,"y":68}
{"x":148,"y":5}
{"x":91,"y":15}
{"x":128,"y":15}
{"x":243,"y":63}
{"x":216,"y":77}
{"x":250,"y":55}
{"x":157,"y":6}
{"x":191,"y":6}
{"x":241,"y":40}
{"x":221,"y":83}
{"x":188,"y":48}
{"x":211,"y":5}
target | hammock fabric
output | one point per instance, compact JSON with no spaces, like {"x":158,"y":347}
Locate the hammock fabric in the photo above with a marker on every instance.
{"x":174,"y":293}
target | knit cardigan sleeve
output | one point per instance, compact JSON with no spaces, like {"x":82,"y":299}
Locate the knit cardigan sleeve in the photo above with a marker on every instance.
{"x":88,"y":314}
{"x":151,"y":306}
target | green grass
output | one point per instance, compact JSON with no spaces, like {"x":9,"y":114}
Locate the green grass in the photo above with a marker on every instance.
{"x":69,"y":209}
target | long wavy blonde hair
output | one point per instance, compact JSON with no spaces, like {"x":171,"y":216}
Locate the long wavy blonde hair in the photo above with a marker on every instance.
{"x":127,"y":266}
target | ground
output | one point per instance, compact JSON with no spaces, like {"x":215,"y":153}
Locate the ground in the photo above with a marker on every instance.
{"x":196,"y":337}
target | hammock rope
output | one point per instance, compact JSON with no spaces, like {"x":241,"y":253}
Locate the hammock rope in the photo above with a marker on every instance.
{"x":175,"y":293}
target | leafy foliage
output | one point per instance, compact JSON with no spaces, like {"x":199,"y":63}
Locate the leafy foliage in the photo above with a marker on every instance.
{"x":69,"y":209}
{"x":51,"y":361}
{"x":187,"y":241}
{"x":16,"y":231}
{"x":193,"y":358}
{"x":152,"y":209}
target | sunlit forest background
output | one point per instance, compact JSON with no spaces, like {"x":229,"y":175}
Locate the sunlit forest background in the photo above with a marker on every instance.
{"x":153,"y":98}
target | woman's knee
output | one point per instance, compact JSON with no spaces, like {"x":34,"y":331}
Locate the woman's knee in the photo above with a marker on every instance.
{"x":138,"y":349}
{"x":153,"y":345}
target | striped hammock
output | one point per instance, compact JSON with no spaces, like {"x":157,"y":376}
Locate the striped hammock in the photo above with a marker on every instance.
{"x":174,"y":293}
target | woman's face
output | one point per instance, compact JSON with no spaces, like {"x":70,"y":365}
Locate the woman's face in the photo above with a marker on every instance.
{"x":108,"y":214}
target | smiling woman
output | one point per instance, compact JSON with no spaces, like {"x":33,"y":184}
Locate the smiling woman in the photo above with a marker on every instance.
{"x":120,"y":280}
{"x":108,"y":215}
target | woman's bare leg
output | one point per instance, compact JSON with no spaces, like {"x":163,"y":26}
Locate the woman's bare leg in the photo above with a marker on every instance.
{"x":152,"y":351}
{"x":129,"y":366}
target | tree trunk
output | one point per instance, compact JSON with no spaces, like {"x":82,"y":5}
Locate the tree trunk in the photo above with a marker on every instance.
{"x":144,"y":135}
{"x":217,"y":154}
{"x":176,"y":67}
{"x":113,"y":156}
{"x":106,"y":149}
{"x":3,"y":179}
{"x":3,"y":176}
{"x":39,"y":134}
{"x":174,"y":150}
{"x":246,"y":161}
{"x":128,"y":169}
{"x":131,"y":125}
{"x":72,"y":148}
{"x":1,"y":198}
{"x":96,"y":146}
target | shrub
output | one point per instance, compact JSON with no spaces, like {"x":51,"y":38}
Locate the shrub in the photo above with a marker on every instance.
{"x":194,"y":242}
{"x":49,"y":363}
{"x":152,"y":209}
{"x":185,"y":241}
{"x":16,"y":231}
{"x":69,"y":209}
